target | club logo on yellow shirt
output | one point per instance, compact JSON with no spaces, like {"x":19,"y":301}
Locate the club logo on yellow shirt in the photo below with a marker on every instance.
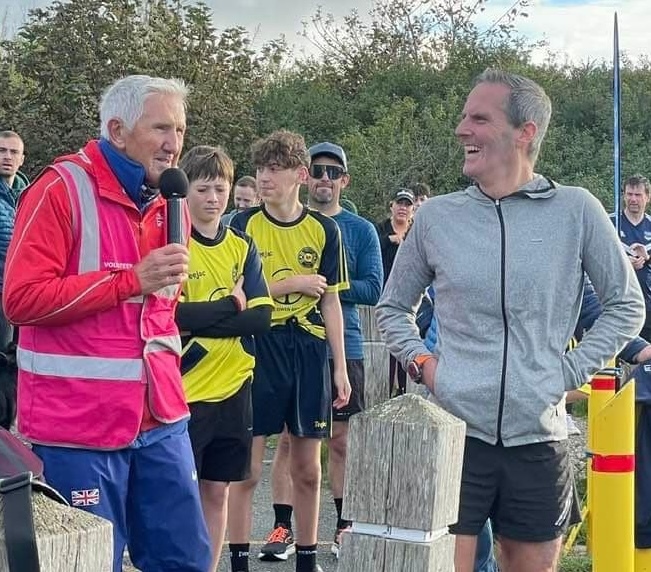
{"x":308,"y":257}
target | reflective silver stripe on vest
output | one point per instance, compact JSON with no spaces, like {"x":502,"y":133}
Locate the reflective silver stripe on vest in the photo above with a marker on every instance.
{"x":89,"y":243}
{"x":135,"y":300}
{"x":80,"y":367}
{"x":164,"y":344}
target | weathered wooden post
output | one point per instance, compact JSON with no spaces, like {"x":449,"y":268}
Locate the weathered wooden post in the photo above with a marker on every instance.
{"x":403,"y":475}
{"x":68,"y":539}
{"x":376,"y":359}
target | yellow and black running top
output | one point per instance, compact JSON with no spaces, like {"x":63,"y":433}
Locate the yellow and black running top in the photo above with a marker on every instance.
{"x":311,"y":244}
{"x":215,"y":368}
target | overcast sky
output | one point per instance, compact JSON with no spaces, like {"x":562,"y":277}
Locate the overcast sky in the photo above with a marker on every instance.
{"x":578,"y":29}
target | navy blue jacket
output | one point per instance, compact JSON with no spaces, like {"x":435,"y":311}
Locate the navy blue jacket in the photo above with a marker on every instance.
{"x":590,"y":310}
{"x":8,"y":199}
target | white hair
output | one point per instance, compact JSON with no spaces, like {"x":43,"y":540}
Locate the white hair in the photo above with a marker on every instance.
{"x":125,"y":98}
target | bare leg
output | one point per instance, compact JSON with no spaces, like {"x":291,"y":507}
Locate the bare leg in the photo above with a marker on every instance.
{"x":240,"y":498}
{"x":305,"y":467}
{"x":465,"y":548}
{"x":519,"y":556}
{"x":281,"y":479}
{"x":214,"y":501}
{"x":337,"y":458}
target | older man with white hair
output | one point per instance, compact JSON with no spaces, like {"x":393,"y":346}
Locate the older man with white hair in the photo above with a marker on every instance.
{"x":93,"y":286}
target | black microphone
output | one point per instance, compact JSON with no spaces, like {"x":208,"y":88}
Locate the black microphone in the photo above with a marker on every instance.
{"x":174,"y":186}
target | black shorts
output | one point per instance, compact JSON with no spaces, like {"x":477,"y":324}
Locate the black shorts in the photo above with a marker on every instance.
{"x":291,"y":384}
{"x":221,"y":435}
{"x":526,"y":491}
{"x":355,"y":369}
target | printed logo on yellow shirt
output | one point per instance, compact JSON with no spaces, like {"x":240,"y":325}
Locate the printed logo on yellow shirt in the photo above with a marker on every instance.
{"x":291,"y":297}
{"x":308,"y":257}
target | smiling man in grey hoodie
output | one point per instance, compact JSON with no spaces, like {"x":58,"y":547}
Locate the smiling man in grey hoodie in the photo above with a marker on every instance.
{"x":507,"y":258}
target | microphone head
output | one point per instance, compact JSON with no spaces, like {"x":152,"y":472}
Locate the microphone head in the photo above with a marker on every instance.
{"x":173,"y":183}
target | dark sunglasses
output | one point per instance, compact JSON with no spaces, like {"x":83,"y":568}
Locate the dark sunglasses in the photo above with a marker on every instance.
{"x":334,"y":171}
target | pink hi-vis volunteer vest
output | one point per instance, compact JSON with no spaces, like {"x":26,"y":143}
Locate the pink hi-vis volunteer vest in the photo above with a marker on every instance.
{"x":85,"y":384}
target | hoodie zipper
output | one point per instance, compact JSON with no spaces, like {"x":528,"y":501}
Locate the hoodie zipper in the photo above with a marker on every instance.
{"x":500,"y":412}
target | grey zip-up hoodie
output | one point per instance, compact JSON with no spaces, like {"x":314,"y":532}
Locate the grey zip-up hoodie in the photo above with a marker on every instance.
{"x":508,"y":276}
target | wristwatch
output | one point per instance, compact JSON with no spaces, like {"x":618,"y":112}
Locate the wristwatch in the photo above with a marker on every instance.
{"x":415,"y":367}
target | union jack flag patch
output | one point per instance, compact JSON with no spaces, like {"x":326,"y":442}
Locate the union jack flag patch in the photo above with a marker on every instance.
{"x":85,"y":497}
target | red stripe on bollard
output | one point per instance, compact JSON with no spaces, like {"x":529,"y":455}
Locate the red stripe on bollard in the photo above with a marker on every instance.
{"x":601,"y":384}
{"x":613,"y":463}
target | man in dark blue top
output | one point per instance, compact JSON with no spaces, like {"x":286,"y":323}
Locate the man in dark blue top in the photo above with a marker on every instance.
{"x":328,"y":178}
{"x":12,"y":183}
{"x":635,"y":232}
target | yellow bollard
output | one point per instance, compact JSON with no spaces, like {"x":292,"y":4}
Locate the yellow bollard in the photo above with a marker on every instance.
{"x":642,"y":555}
{"x":613,"y":484}
{"x":643,"y":560}
{"x":602,"y":389}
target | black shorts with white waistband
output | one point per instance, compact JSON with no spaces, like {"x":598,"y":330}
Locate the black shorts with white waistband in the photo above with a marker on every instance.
{"x":291,"y":384}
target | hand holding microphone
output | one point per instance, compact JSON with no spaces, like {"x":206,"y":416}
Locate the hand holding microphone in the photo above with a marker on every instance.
{"x":168,"y":265}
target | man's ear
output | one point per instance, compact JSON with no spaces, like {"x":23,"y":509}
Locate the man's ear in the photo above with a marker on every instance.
{"x":345,"y":180}
{"x":302,"y":174}
{"x":527,"y":133}
{"x":117,"y":133}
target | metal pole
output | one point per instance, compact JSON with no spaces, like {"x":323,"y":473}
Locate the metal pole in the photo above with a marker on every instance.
{"x":617,"y":129}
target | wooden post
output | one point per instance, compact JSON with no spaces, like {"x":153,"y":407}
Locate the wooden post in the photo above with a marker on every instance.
{"x":402,"y":482}
{"x":376,"y":359}
{"x":68,"y":539}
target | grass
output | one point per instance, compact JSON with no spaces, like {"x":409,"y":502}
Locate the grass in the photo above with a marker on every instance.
{"x":576,"y":563}
{"x":580,"y":408}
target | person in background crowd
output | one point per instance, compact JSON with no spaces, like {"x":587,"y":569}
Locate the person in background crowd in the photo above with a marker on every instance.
{"x":422,"y":192}
{"x":245,"y":195}
{"x":635,"y":233}
{"x":392,"y":232}
{"x":12,"y":183}
{"x":93,"y":286}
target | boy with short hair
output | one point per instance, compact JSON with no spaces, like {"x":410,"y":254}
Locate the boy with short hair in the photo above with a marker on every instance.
{"x":303,"y":261}
{"x":225,"y":303}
